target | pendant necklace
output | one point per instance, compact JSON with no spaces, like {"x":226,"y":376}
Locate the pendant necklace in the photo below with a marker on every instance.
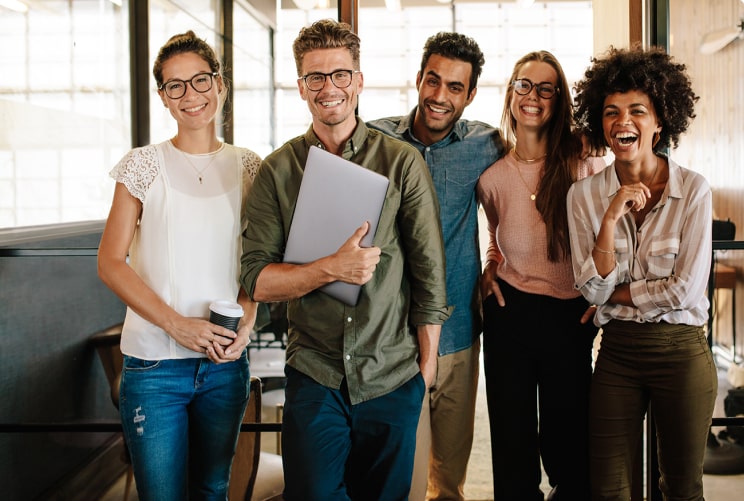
{"x":533,"y":193}
{"x":199,"y":173}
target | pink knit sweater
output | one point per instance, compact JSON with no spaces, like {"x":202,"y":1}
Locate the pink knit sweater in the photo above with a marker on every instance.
{"x":517,"y":234}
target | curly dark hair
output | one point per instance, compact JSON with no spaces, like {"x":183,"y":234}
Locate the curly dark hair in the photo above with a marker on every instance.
{"x":651,"y":71}
{"x":455,"y":46}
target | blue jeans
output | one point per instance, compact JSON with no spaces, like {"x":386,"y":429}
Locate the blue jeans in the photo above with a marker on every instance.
{"x":332,"y":450}
{"x":181,"y":420}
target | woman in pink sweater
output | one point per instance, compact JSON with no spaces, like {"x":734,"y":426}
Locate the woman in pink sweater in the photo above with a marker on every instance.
{"x":537,"y":337}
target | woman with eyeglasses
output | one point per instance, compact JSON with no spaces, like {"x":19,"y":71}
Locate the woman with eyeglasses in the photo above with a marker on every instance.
{"x":170,"y":247}
{"x":641,"y":249}
{"x":537,"y":337}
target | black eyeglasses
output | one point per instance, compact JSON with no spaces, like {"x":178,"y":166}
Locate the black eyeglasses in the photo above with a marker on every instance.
{"x":176,"y":89}
{"x":523,"y":86}
{"x":340,"y":78}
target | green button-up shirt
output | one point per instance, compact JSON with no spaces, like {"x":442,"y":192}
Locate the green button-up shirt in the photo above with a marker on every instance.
{"x":372,"y":345}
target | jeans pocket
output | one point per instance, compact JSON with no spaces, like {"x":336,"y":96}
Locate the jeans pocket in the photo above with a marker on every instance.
{"x":139,"y":365}
{"x":418,"y":379}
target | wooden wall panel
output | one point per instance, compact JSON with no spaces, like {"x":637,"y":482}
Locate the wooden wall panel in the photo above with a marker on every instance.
{"x":714,"y":144}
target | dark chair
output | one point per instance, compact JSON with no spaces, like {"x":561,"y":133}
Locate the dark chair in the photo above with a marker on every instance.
{"x":724,"y":277}
{"x":721,"y":457}
{"x":106,"y":343}
{"x":256,"y":475}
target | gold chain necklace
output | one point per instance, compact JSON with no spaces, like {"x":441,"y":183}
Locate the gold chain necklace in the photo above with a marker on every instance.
{"x":199,"y":173}
{"x":533,"y":193}
{"x":527,"y":160}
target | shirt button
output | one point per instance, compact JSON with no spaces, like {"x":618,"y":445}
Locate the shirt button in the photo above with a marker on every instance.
{"x":348,"y":357}
{"x":348,"y":319}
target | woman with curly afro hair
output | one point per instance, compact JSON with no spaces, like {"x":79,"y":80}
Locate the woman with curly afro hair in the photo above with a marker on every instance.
{"x":641,"y":245}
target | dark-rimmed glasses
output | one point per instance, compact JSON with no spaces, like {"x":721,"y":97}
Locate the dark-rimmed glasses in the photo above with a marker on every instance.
{"x":176,"y":89}
{"x":340,"y":78}
{"x":523,"y":86}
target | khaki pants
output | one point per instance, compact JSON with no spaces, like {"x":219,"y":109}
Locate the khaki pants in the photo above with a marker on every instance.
{"x":445,"y":431}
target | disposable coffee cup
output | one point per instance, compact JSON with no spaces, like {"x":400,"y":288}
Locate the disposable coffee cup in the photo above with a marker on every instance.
{"x":226,"y":313}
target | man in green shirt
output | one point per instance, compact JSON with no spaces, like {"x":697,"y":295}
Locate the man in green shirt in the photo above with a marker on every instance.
{"x":356,"y":375}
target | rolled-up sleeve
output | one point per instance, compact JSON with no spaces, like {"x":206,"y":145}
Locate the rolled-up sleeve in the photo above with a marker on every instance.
{"x":264,"y":234}
{"x":665,"y":261}
{"x":421,"y":234}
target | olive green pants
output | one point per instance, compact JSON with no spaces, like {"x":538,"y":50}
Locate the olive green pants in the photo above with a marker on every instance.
{"x":670,"y":368}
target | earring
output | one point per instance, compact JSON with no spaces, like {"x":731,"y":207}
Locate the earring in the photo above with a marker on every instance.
{"x":656,"y":138}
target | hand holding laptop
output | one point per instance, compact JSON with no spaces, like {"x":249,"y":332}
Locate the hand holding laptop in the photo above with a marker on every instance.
{"x":335,"y":197}
{"x":356,"y":264}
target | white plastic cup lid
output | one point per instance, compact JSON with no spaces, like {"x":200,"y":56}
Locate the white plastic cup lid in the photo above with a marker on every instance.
{"x":227,"y":308}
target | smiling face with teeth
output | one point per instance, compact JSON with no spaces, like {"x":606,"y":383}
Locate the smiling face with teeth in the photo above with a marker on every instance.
{"x":194,"y":110}
{"x":443,"y":90}
{"x":330,"y":106}
{"x":630,"y":124}
{"x":531,"y":111}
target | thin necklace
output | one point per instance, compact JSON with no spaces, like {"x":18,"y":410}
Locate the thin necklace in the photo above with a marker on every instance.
{"x":533,"y":193}
{"x":199,"y":173}
{"x":527,"y":160}
{"x":653,"y":176}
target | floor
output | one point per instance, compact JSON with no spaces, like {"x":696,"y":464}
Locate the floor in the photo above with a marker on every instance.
{"x":478,"y":484}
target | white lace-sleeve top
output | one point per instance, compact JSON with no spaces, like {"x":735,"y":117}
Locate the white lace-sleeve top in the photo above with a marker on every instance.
{"x":187,"y":244}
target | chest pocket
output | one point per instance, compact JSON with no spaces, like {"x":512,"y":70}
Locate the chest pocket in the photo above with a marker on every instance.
{"x":662,"y":255}
{"x":459,"y":186}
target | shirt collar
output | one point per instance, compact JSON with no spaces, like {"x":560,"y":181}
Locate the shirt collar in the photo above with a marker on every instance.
{"x":405,"y":129}
{"x":353,"y":144}
{"x":675,"y":183}
{"x":673,"y":187}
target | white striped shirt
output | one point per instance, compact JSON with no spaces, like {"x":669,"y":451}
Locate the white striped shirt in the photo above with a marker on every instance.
{"x":666,"y":260}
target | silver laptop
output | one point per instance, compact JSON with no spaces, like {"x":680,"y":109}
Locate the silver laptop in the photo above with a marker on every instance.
{"x":336,"y":197}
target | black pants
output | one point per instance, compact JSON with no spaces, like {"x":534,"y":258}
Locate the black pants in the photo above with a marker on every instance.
{"x":537,"y":357}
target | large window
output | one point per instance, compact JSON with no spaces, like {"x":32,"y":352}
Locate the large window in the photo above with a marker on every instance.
{"x":65,"y":97}
{"x":65,"y":94}
{"x":252,"y":108}
{"x":64,"y":102}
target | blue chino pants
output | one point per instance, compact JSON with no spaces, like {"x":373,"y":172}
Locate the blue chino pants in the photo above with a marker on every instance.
{"x":332,"y":450}
{"x":181,"y":420}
